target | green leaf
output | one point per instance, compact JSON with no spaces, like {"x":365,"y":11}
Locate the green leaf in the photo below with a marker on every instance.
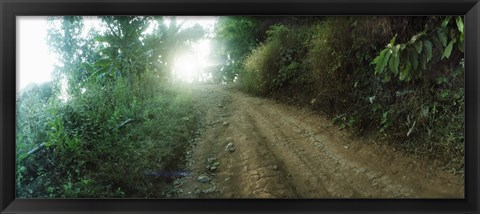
{"x":384,"y":117}
{"x":441,"y":80}
{"x":381,"y":60}
{"x":405,"y":72}
{"x":445,"y":21}
{"x":385,"y":60}
{"x":448,"y":50}
{"x":444,"y":94}
{"x":418,"y":46}
{"x":293,"y":66}
{"x":416,"y":37}
{"x":459,"y":24}
{"x":442,"y":36}
{"x":428,"y":49}
{"x":394,"y":61}
{"x":392,"y":41}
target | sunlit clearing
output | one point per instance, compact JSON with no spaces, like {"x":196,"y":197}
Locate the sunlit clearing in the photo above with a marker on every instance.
{"x":190,"y":66}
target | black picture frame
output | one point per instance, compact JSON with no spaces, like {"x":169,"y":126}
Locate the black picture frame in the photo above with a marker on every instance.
{"x":9,"y":9}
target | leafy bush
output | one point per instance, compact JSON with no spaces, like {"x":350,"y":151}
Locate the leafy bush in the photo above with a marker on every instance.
{"x":412,"y":59}
{"x":277,"y":63}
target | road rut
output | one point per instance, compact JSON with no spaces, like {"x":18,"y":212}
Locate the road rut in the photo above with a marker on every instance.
{"x":260,"y":148}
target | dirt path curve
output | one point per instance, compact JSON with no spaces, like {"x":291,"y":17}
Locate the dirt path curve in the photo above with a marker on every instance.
{"x":281,"y":151}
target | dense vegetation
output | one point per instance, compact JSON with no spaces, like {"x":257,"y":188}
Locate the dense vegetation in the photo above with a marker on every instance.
{"x":398,"y":79}
{"x":111,"y":120}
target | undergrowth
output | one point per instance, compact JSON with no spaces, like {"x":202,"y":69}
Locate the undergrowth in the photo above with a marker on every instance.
{"x":105,"y":143}
{"x":327,"y":65}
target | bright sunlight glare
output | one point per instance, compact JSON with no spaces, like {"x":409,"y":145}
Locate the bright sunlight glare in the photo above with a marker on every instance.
{"x":190,"y":66}
{"x":34,"y":60}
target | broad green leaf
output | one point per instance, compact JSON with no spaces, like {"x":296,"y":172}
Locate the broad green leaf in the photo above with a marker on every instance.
{"x":379,"y":58}
{"x":392,"y":41}
{"x":428,"y":49}
{"x":416,"y":37}
{"x":405,"y":72}
{"x":445,"y":21}
{"x":394,"y":61}
{"x":418,"y":46}
{"x":378,"y":61}
{"x":385,"y":60}
{"x":442,"y":36}
{"x":460,"y":24}
{"x":448,"y":50}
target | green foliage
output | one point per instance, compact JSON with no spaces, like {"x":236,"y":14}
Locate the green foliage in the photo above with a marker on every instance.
{"x":344,"y":121}
{"x":257,"y":67}
{"x":238,"y":38}
{"x":327,"y":56}
{"x":120,"y":120}
{"x":276,"y":63}
{"x":414,"y":98}
{"x":413,"y":60}
{"x":100,"y":159}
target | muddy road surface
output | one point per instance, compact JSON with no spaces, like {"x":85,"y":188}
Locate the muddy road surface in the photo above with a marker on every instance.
{"x":252,"y":147}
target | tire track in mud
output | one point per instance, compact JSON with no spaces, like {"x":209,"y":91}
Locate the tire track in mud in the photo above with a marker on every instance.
{"x":313,"y":160}
{"x":282,"y":151}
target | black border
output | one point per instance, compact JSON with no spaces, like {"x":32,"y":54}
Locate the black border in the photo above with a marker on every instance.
{"x":10,"y":8}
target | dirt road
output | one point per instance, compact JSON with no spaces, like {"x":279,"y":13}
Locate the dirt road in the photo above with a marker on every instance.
{"x":258,"y":148}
